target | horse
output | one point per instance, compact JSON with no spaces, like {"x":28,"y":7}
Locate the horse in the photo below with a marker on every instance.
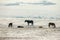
{"x":52,"y":24}
{"x":20,"y":26}
{"x":29,"y":21}
{"x":10,"y":25}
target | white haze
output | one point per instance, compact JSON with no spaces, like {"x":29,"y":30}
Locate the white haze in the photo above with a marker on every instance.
{"x":30,"y":10}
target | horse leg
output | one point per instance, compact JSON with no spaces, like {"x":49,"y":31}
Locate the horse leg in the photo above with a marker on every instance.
{"x":49,"y":25}
{"x":28,"y":24}
{"x":11,"y":25}
{"x":54,"y":26}
{"x":32,"y":24}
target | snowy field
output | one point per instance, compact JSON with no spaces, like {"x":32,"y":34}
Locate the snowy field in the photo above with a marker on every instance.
{"x":29,"y":32}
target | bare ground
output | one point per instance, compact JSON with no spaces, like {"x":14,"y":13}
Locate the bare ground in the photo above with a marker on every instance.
{"x":29,"y":34}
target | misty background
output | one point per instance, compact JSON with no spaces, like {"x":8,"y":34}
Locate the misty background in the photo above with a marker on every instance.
{"x":30,"y":8}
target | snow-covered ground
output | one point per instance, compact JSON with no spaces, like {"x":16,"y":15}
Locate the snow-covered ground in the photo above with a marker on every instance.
{"x":29,"y":32}
{"x":20,"y":21}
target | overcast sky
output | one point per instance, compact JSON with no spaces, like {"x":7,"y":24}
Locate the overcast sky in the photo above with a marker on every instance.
{"x":30,"y":10}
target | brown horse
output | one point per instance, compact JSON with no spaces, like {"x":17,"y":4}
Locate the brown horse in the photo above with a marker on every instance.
{"x":52,"y":24}
{"x":10,"y":25}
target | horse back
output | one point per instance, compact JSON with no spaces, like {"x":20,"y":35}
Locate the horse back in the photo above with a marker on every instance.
{"x":51,"y":23}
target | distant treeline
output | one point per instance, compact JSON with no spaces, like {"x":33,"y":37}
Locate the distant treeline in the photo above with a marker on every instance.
{"x":40,"y":17}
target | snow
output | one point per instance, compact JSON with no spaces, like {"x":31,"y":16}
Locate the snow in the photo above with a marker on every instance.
{"x":29,"y":32}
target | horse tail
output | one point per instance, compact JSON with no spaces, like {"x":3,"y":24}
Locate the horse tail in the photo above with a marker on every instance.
{"x":54,"y":26}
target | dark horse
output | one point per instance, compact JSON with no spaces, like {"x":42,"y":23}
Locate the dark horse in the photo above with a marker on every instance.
{"x":52,"y":24}
{"x":10,"y":25}
{"x":29,"y":21}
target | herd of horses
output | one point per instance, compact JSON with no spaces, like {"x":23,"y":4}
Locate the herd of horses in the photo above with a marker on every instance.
{"x":32,"y":22}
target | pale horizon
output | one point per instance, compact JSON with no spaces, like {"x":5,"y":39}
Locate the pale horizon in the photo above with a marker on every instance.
{"x":28,"y":9}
